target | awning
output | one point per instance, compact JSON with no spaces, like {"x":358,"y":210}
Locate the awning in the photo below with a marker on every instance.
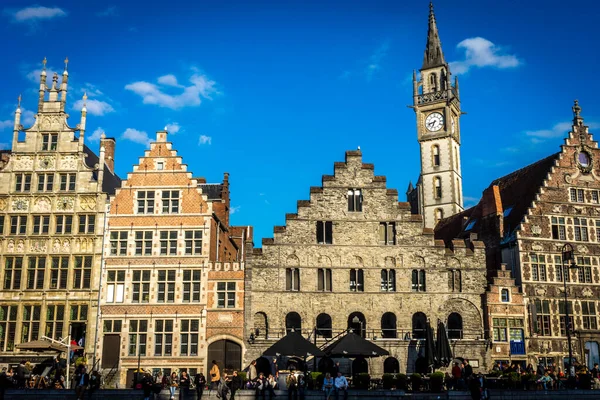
{"x":353,"y":345}
{"x":46,"y":345}
{"x":293,"y":344}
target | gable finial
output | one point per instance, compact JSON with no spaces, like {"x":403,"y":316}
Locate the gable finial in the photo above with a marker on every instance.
{"x":576,"y":109}
{"x":19,"y":104}
{"x":66,"y":63}
{"x":44,"y":61}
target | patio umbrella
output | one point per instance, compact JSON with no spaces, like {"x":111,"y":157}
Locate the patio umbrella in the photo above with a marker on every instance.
{"x":353,"y":345}
{"x":443,"y":350}
{"x":293,"y":344}
{"x":430,"y":355}
{"x":46,"y":345}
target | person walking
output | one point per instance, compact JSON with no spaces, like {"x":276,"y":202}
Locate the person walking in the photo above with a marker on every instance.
{"x":215,"y":375}
{"x":236,"y":384}
{"x":328,"y":387}
{"x":457,"y":376}
{"x":173,"y":384}
{"x":199,"y":382}
{"x":467,"y":370}
{"x":147,"y":383}
{"x":341,"y":386}
{"x":223,"y":390}
{"x":21,"y":375}
{"x":184,"y":385}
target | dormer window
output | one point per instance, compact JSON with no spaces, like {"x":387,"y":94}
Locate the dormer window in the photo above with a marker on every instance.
{"x":49,"y":142}
{"x":355,"y":200}
{"x":504,"y":296}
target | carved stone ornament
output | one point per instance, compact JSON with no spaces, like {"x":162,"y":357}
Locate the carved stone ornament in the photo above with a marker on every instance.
{"x":65,"y":203}
{"x":10,"y":247}
{"x":23,"y":163}
{"x":584,"y":160}
{"x":540,"y":291}
{"x":537,"y":247}
{"x":46,"y":162}
{"x":582,"y":249}
{"x":87,"y":203}
{"x":557,"y":209}
{"x":536,"y":230}
{"x":56,"y":246}
{"x":20,"y":204}
{"x":42,"y":204}
{"x":568,"y":178}
{"x":66,"y":246}
{"x":68,"y":162}
{"x":20,"y":246}
{"x":2,"y":204}
{"x":52,"y":122}
{"x":39,"y":246}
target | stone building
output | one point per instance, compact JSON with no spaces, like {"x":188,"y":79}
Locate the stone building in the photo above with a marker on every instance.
{"x":173,"y":280}
{"x":525,"y":218}
{"x":53,"y":199}
{"x":353,"y":257}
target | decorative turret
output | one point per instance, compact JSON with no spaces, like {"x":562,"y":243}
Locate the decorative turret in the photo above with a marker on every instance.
{"x":43,"y":86}
{"x":63,"y":86}
{"x":17,"y":127}
{"x":434,"y":57}
{"x":82,"y":122}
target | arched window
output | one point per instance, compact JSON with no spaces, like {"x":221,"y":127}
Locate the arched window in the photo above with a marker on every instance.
{"x":437,"y":187}
{"x":505,"y":296}
{"x":357,"y":323}
{"x":419,"y":320}
{"x":388,"y":325}
{"x":418,"y":280}
{"x":435,"y":152}
{"x":391,"y":366}
{"x":293,"y":322}
{"x":455,"y":326}
{"x":433,"y":82}
{"x":439,"y":214}
{"x":261,"y":325}
{"x":324,"y":325}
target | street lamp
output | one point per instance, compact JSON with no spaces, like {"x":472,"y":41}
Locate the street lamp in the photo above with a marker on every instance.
{"x":568,"y":255}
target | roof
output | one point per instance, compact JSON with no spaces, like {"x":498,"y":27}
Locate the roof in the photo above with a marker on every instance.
{"x":212,"y":190}
{"x":517,"y":190}
{"x":111,"y":181}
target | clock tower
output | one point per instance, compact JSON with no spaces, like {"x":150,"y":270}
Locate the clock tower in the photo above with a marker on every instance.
{"x":437,"y":106}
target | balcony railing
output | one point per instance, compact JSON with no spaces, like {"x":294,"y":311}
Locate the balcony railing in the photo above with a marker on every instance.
{"x":435,"y":96}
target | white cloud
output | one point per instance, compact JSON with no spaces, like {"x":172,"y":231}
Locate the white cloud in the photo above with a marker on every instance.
{"x":109,"y":12}
{"x":470,"y":201}
{"x":94,"y":107}
{"x":234,"y":209}
{"x":173,"y":128}
{"x":201,"y":88}
{"x":37,"y":13}
{"x":558,"y":130}
{"x":136,"y":136}
{"x":34,"y":76}
{"x":6,"y":124}
{"x":95,"y":136}
{"x":203,"y":139}
{"x":91,"y":90}
{"x":374,"y":64}
{"x":480,"y":53}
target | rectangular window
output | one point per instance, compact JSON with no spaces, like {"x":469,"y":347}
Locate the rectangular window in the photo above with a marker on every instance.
{"x":41,"y":224}
{"x":170,"y":201}
{"x":49,"y":142}
{"x":542,"y":308}
{"x":387,"y":233}
{"x":191,"y":285}
{"x":418,"y":280}
{"x":166,"y":286}
{"x":516,"y":329}
{"x":31,"y":323}
{"x":580,"y":229}
{"x":324,"y":279}
{"x":590,"y":319}
{"x":538,"y":267}
{"x":64,"y":224}
{"x":8,"y":327}
{"x":168,"y":243}
{"x":560,"y":272}
{"x":499,"y":327}
{"x":584,"y":270}
{"x":357,"y":280}
{"x":292,"y":279}
{"x":140,"y":286}
{"x":189,"y":337}
{"x":35,"y":272}
{"x":67,"y":182}
{"x":118,"y":243}
{"x":115,"y":288}
{"x":225,"y":294}
{"x":143,"y":243}
{"x":355,"y":200}
{"x":388,"y":280}
{"x":163,"y":337}
{"x":45,"y":182}
{"x":59,"y":271}
{"x":576,"y":195}
{"x":595,"y":198}
{"x":12,"y":273}
{"x":82,"y":272}
{"x":558,"y":228}
{"x":22,"y":183}
{"x":138,"y":335}
{"x":563,"y":317}
{"x":55,"y":318}
{"x":87,"y":223}
{"x":18,"y":225}
{"x":193,"y":242}
{"x":455,"y":280}
{"x":1,"y":225}
{"x":324,"y":232}
{"x":112,"y":326}
{"x":79,"y":313}
{"x":145,"y":202}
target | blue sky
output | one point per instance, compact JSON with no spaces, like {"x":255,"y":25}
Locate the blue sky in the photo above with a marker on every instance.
{"x":274,"y":92}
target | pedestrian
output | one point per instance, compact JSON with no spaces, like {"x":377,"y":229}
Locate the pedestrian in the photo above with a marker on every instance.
{"x":252,"y":375}
{"x":215,"y":375}
{"x":261,"y":386}
{"x":21,"y":375}
{"x":341,"y":386}
{"x":468,"y":369}
{"x":82,"y":379}
{"x":147,"y":383}
{"x":223,"y":390}
{"x":540,"y":369}
{"x":94,"y":383}
{"x":275,"y":367}
{"x":173,"y":384}
{"x":271,"y":386}
{"x":529,"y":368}
{"x":457,"y":376}
{"x":328,"y":386}
{"x":199,"y":382}
{"x":236,"y":384}
{"x":301,"y":387}
{"x":184,"y":385}
{"x":292,"y":386}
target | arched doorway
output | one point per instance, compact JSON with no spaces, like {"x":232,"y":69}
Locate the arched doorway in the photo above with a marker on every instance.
{"x":359,"y":366}
{"x":293,"y":322}
{"x":263,"y":365}
{"x":388,"y":325}
{"x":391,"y":366}
{"x":324,"y":325}
{"x":455,"y":326}
{"x":325,"y":365}
{"x":261,"y":325}
{"x":226,"y":353}
{"x":419,"y":321}
{"x":357,"y":323}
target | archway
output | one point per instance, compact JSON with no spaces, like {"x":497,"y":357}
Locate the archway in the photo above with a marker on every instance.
{"x":359,"y":366}
{"x":388,"y":325}
{"x":324,"y":325}
{"x":263,"y":365}
{"x":325,"y":365}
{"x":293,"y":321}
{"x":226,"y":353}
{"x":391,"y":366}
{"x":455,"y":326}
{"x":261,"y":325}
{"x":419,"y":321}
{"x":357,"y":323}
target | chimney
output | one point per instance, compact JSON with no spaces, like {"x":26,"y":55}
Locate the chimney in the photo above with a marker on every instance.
{"x":161,"y":136}
{"x":109,"y":152}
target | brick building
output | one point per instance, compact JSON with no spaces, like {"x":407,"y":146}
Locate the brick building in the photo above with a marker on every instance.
{"x":525,"y":218}
{"x":172,"y":283}
{"x":53,"y":198}
{"x":353,"y":257}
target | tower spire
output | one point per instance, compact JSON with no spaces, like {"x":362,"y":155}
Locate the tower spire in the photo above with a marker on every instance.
{"x":434,"y":56}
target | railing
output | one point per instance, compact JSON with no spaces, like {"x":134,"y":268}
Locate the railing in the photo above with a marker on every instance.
{"x":371,"y":334}
{"x":111,"y":374}
{"x":435,"y":96}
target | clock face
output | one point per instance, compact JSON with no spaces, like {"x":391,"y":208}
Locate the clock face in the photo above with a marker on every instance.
{"x":434,"y":122}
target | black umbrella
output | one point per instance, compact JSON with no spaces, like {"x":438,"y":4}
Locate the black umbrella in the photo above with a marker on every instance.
{"x":429,"y":347}
{"x":443,"y":351}
{"x":293,"y":344}
{"x":353,"y":345}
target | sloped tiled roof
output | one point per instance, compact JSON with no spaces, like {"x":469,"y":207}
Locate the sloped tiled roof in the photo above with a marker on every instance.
{"x":110,"y":181}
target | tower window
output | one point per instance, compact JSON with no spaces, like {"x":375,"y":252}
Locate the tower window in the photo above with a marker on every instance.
{"x":439,"y":214}
{"x":435,"y":149}
{"x":324,"y":232}
{"x":437,"y":187}
{"x":355,"y":200}
{"x":433,"y":82}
